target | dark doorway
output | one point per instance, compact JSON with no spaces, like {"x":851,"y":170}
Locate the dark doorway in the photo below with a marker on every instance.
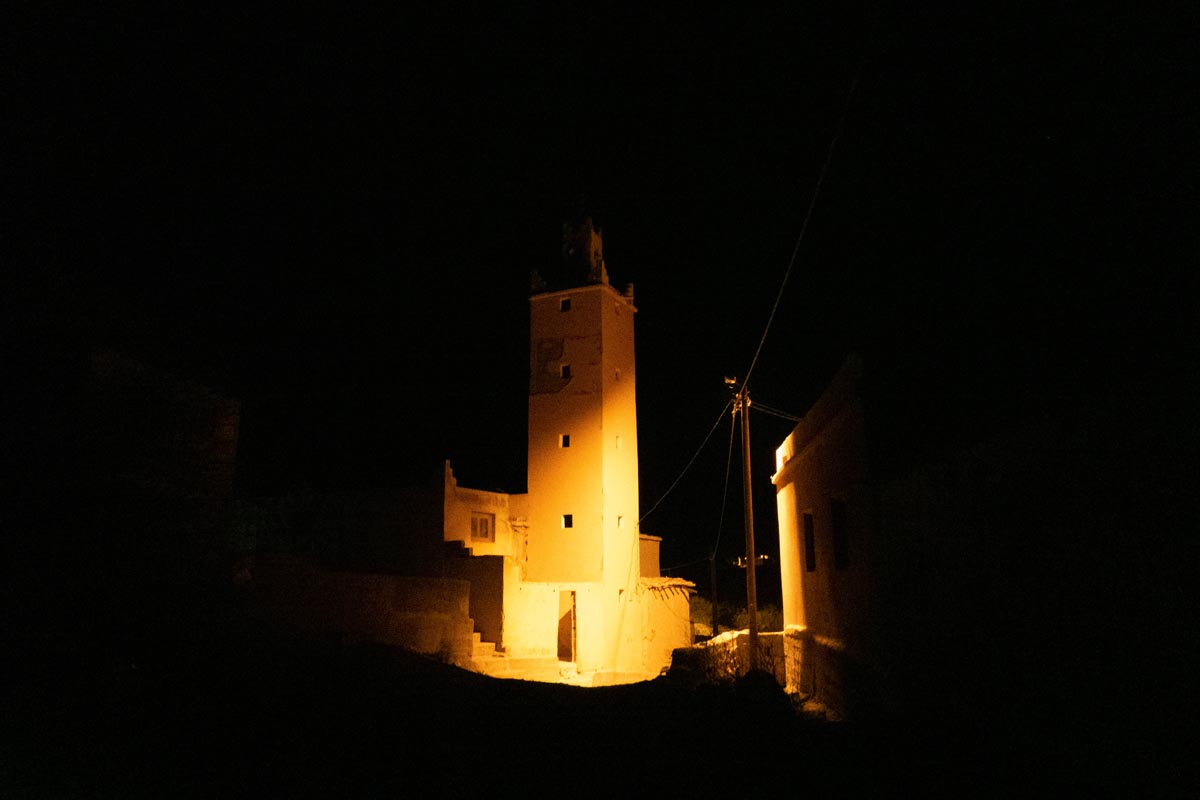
{"x":566,"y":626}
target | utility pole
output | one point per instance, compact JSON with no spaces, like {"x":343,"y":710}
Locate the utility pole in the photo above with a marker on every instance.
{"x":712,"y":576}
{"x":743,"y":405}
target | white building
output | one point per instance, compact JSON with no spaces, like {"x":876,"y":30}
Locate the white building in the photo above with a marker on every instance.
{"x":574,"y":585}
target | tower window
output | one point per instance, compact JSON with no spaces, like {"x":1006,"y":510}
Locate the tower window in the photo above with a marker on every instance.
{"x":616,"y":375}
{"x":620,"y":521}
{"x":568,"y":521}
{"x":618,"y":442}
{"x":810,"y":545}
{"x":564,"y":304}
{"x":564,"y":440}
{"x":564,"y":370}
{"x":483,"y":527}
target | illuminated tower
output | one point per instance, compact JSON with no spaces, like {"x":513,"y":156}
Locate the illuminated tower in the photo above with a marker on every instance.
{"x":583,"y":469}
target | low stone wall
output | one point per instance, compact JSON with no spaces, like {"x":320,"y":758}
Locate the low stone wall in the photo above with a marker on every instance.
{"x":426,"y":615}
{"x":727,"y":657}
{"x":823,"y":671}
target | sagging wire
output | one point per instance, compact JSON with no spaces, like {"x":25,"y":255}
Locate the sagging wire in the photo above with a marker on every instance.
{"x":758,"y":405}
{"x":695,"y":455}
{"x":812,"y":204}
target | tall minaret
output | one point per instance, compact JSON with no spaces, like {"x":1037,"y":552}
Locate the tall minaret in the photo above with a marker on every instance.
{"x":583,"y":468}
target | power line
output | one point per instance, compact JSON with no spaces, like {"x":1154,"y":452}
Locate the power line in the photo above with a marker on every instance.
{"x":812,"y":204}
{"x":689,"y":463}
{"x":774,"y":308}
{"x":767,"y":328}
{"x":774,"y":412}
{"x":725,"y":491}
{"x":685,"y":564}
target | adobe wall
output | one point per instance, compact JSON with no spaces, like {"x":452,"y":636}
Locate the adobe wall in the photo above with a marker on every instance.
{"x":666,"y":624}
{"x":461,"y":503}
{"x":531,"y":621}
{"x":426,"y":615}
{"x":648,"y":555}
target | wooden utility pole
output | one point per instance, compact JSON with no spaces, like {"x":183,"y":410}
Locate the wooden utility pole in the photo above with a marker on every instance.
{"x":751,"y":559}
{"x":712,"y":575}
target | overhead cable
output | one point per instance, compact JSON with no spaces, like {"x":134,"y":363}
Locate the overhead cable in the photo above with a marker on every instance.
{"x":689,"y":463}
{"x":774,"y":412}
{"x":812,"y":204}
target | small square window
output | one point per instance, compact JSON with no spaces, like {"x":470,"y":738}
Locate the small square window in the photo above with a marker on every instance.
{"x":564,"y":440}
{"x":564,"y":304}
{"x":568,"y":521}
{"x":564,"y":371}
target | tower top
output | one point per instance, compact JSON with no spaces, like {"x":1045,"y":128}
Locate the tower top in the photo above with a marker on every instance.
{"x":582,"y":253}
{"x":582,"y":259}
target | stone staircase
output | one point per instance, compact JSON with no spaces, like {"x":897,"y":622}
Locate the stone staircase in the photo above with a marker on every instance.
{"x":486,"y":659}
{"x":483,"y":651}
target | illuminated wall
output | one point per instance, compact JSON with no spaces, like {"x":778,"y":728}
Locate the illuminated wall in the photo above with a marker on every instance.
{"x":619,"y":479}
{"x":827,"y":546}
{"x":481,"y":520}
{"x":583,"y":481}
{"x":648,"y":547}
{"x":666,"y":622}
{"x":572,"y":584}
{"x":582,"y":435}
{"x":821,"y":467}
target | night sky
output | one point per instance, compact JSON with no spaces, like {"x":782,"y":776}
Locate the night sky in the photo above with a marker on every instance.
{"x":333,"y":214}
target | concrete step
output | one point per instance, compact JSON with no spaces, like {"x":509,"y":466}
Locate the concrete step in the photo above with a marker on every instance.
{"x":547,"y":670}
{"x":481,"y":649}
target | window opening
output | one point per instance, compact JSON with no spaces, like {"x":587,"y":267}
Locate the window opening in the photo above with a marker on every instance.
{"x":483,"y":527}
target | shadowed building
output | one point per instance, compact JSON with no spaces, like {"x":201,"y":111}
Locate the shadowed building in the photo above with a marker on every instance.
{"x":956,"y":543}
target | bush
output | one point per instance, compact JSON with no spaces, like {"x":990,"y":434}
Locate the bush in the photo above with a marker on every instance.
{"x":702,"y":614}
{"x":770,"y":618}
{"x":730,"y":617}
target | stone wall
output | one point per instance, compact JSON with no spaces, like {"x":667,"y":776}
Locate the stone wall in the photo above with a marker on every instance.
{"x":727,"y":657}
{"x":426,"y":615}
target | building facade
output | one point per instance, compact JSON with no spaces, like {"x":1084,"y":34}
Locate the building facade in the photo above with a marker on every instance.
{"x":826,"y":545}
{"x":574,"y":586}
{"x":559,"y":582}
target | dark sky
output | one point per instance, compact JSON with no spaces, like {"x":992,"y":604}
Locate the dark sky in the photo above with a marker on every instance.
{"x":333,"y":213}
